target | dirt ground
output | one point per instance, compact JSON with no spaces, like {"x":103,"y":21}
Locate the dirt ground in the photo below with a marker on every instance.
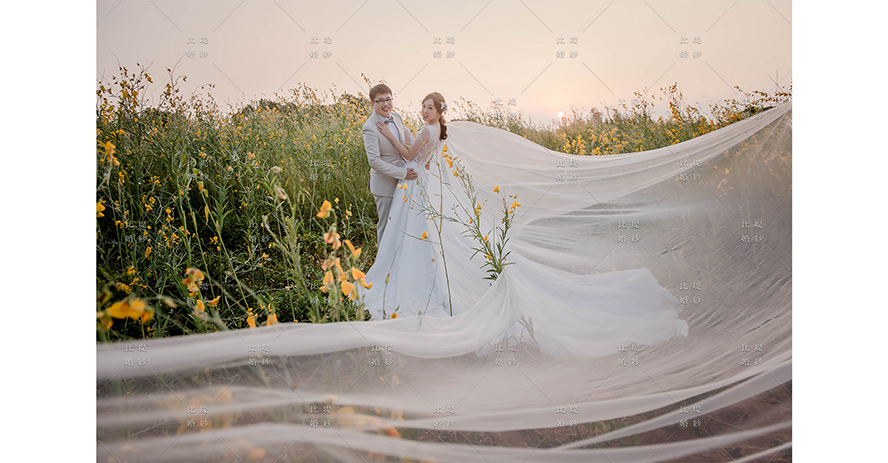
{"x":767,"y":408}
{"x":770,"y":407}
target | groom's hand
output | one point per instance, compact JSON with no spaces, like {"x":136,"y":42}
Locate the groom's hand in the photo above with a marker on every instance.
{"x":411,"y":175}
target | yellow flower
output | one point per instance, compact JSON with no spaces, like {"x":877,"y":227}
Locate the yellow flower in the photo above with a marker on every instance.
{"x":251,"y":321}
{"x":199,"y":307}
{"x":328,"y":280}
{"x":207,"y":212}
{"x":351,"y":247}
{"x":445,"y":149}
{"x":347,"y":289}
{"x":357,"y":274}
{"x":273,"y":319}
{"x":425,"y":235}
{"x":332,"y":237}
{"x":365,"y":284}
{"x":137,"y":305}
{"x":109,"y":151}
{"x":394,"y":315}
{"x":214,"y":301}
{"x":192,"y":275}
{"x":496,"y":189}
{"x":325,"y":209}
{"x":131,"y":270}
{"x":132,"y":308}
{"x":100,"y":208}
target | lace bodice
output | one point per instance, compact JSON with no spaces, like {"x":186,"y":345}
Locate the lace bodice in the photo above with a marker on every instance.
{"x":432,"y":148}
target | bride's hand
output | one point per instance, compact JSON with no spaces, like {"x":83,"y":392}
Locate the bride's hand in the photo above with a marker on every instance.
{"x":385,"y":131}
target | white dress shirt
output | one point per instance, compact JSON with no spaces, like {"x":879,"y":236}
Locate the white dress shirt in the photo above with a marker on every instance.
{"x":393,"y":128}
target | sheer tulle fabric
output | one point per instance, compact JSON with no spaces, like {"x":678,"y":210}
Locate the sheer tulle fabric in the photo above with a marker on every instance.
{"x":639,"y":280}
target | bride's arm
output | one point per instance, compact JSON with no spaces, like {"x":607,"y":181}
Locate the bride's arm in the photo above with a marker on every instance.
{"x":418,"y":143}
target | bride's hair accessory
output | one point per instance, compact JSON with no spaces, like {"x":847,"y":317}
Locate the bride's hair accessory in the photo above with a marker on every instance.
{"x":443,"y":107}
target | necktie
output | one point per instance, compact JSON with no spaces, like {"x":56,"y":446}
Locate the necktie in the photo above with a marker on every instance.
{"x":390,"y":119}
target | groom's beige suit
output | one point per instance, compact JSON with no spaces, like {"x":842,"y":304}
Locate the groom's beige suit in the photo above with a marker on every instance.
{"x":386,"y":165}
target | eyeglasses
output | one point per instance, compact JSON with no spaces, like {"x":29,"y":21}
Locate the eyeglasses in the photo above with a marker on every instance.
{"x":381,"y":101}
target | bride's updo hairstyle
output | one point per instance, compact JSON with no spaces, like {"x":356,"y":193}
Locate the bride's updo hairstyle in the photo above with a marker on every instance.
{"x":440,"y":106}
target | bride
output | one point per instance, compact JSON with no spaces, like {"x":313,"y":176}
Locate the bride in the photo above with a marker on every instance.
{"x":408,"y":277}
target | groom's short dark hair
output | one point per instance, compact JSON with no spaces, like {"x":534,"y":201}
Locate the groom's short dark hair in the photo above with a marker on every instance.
{"x":379,"y":89}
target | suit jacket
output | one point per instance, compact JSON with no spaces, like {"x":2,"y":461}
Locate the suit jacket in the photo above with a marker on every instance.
{"x":386,"y":164}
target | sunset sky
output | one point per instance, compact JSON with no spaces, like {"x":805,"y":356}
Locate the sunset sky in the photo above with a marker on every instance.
{"x":537,"y":57}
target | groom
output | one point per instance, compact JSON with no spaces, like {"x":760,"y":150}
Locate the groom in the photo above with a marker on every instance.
{"x":386,"y":165}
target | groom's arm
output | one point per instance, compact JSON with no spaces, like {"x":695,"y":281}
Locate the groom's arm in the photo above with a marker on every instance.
{"x":371,"y":145}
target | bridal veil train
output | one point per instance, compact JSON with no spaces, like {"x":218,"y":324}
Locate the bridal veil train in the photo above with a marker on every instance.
{"x":654,"y":285}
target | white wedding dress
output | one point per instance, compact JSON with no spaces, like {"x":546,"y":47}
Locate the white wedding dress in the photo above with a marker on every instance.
{"x":595,"y":312}
{"x":641,"y":281}
{"x":408,"y":274}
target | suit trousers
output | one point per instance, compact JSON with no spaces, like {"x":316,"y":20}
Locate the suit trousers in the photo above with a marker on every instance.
{"x":383,"y":206}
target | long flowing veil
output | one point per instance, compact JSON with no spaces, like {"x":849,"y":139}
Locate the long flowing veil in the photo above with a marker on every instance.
{"x":652,"y":287}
